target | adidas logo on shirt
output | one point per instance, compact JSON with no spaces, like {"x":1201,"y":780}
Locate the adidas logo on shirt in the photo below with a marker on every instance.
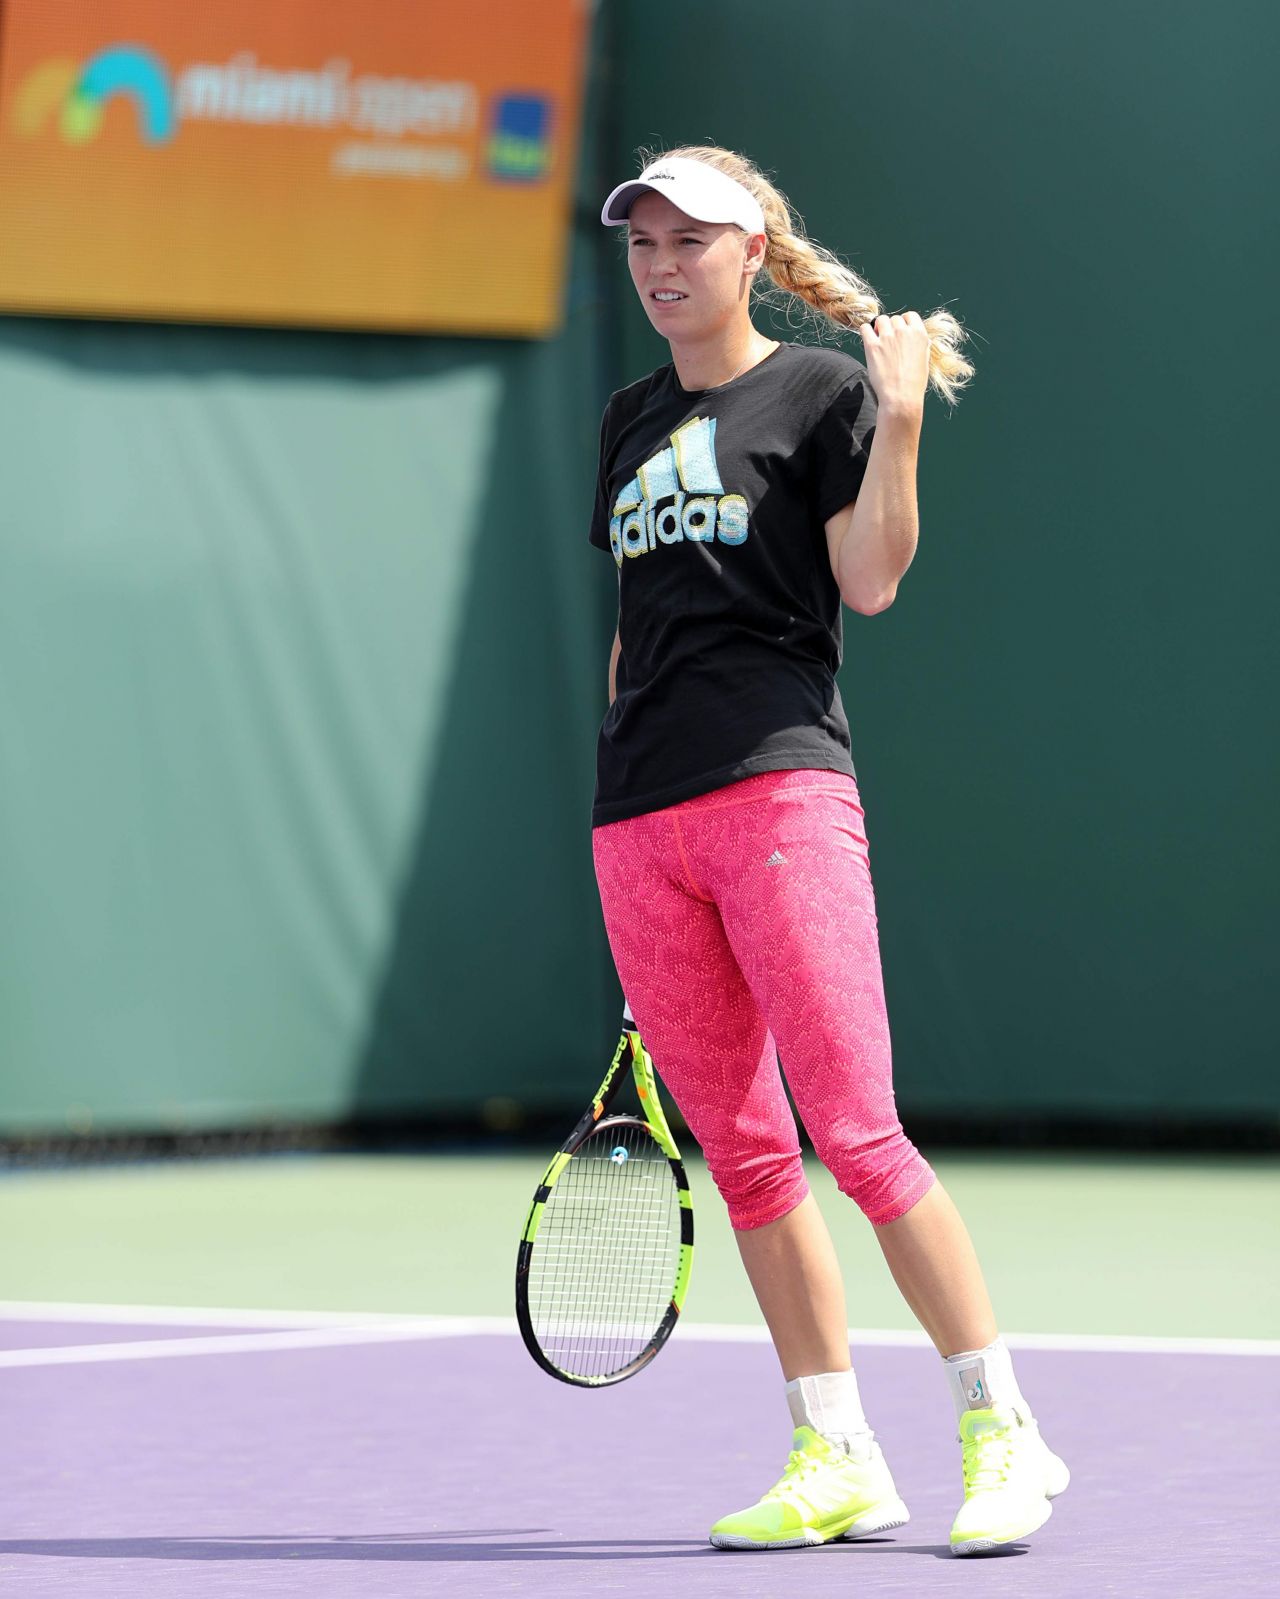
{"x":677,"y":495}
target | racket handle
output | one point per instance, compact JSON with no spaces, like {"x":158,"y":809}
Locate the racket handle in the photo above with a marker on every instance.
{"x":628,"y":1020}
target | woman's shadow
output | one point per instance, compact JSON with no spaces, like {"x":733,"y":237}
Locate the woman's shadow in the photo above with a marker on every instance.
{"x":481,"y":1544}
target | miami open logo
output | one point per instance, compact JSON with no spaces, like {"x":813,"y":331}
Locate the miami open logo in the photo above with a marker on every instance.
{"x":398,"y":121}
{"x":74,"y":96}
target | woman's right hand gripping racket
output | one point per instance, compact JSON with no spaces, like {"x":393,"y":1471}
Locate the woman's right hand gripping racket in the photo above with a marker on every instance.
{"x":604,"y":1261}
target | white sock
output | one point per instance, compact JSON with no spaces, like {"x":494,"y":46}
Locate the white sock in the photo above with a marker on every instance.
{"x":983,"y":1377}
{"x":831,"y":1405}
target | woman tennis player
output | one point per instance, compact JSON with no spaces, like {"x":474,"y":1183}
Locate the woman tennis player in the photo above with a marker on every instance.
{"x":746,"y":490}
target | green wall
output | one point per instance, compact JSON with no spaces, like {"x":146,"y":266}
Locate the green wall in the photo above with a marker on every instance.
{"x":302,"y":648}
{"x":1065,"y":727}
{"x":297,"y":680}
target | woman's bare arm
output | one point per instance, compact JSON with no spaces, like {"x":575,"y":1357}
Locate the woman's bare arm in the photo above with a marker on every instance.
{"x":614,"y":653}
{"x":872,"y":541}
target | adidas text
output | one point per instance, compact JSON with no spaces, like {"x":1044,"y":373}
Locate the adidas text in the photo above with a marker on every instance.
{"x":676,"y":496}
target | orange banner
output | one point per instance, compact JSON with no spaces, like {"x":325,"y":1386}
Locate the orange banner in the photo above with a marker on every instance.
{"x":394,"y":164}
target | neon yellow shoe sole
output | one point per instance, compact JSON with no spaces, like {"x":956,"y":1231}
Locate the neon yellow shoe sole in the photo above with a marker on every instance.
{"x":1009,"y":1529}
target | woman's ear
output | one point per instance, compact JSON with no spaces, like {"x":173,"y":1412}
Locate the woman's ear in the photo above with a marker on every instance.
{"x":754,"y":253}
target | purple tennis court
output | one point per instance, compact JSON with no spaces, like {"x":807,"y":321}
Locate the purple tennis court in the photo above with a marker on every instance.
{"x":429,"y":1464}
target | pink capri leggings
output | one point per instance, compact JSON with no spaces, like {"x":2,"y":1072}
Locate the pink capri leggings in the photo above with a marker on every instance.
{"x":743,"y":926}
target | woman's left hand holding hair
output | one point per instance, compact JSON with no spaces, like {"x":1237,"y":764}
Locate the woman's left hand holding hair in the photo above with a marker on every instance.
{"x":897,"y":360}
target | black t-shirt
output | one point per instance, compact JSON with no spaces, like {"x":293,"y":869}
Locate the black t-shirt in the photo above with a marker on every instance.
{"x":712,"y":502}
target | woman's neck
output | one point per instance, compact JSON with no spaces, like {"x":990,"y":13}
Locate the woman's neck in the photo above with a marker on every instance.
{"x":709,"y":364}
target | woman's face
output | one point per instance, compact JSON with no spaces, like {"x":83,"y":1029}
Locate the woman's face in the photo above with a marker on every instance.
{"x":693,"y":278}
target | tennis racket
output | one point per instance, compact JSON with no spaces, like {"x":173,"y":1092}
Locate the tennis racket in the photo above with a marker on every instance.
{"x":605,"y":1256}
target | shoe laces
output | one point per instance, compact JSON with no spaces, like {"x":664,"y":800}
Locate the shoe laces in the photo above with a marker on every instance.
{"x":799,"y":1466}
{"x":988,"y":1459}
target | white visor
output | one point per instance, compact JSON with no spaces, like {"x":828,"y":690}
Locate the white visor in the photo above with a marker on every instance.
{"x":698,"y":190}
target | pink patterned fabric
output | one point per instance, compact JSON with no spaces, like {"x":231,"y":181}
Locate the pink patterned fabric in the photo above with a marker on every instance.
{"x":746,"y":916}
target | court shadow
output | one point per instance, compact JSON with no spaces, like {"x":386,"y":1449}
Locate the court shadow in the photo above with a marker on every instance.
{"x":479,"y":1545}
{"x":939,"y":1551}
{"x":436,"y":1547}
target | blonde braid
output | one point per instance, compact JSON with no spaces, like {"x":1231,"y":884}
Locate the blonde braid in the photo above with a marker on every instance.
{"x":805,"y":271}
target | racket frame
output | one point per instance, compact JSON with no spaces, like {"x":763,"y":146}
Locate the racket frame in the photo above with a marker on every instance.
{"x":630,"y":1052}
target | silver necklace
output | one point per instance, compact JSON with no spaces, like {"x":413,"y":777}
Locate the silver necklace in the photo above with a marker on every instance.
{"x":738,"y":373}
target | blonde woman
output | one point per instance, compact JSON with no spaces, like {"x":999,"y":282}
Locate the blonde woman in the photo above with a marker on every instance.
{"x":745,"y":491}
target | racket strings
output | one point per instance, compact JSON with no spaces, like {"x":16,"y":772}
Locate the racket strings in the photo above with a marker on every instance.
{"x":604,"y":1267}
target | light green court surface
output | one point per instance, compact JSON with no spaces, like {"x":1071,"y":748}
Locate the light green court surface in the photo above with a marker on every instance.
{"x":1070,"y":1245}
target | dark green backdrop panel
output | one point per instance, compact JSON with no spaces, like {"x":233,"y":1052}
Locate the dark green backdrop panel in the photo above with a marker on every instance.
{"x":302,"y":649}
{"x":1065,"y":726}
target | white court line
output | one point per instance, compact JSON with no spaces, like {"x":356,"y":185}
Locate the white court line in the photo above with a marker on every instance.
{"x":328,"y":1329}
{"x":190,"y":1315}
{"x":252,"y":1342}
{"x":1065,"y":1343}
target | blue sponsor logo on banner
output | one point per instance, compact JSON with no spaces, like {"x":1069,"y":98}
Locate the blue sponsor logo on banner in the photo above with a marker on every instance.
{"x":519,"y":138}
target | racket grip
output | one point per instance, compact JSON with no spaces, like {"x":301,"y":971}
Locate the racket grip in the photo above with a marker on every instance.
{"x":628,"y":1020}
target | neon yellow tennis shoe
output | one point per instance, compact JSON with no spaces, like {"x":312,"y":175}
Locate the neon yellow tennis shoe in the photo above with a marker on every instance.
{"x":1010,"y":1475}
{"x":822,"y":1495}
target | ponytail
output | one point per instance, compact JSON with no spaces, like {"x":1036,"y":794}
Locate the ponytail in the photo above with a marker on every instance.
{"x":831,"y":292}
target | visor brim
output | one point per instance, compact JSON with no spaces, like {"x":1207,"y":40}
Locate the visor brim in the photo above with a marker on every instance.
{"x":617,"y":208}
